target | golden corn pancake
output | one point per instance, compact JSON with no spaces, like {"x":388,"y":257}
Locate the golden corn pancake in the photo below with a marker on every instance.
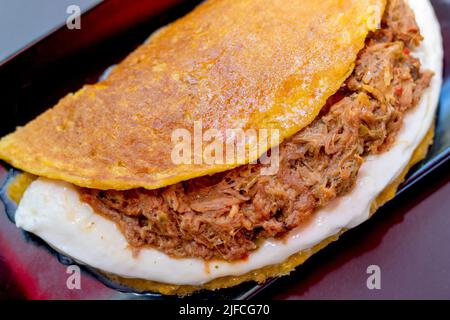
{"x":230,"y":64}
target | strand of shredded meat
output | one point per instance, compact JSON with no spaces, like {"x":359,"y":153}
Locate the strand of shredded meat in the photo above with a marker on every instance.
{"x":226,"y":215}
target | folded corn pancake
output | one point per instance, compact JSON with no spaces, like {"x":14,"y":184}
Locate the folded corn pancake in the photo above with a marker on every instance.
{"x":230,"y":64}
{"x":220,"y":230}
{"x":225,"y":216}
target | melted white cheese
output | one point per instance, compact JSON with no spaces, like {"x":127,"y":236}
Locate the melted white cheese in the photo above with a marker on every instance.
{"x":52,"y":209}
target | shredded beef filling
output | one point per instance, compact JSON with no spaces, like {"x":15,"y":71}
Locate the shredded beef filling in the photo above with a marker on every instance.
{"x":224,"y":216}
